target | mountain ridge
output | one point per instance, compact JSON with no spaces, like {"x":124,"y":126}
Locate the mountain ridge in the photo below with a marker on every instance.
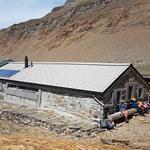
{"x":83,"y":30}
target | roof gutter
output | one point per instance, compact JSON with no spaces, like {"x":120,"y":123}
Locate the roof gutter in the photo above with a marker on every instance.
{"x":98,"y":101}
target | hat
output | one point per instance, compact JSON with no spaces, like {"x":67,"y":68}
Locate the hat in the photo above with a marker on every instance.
{"x":133,"y":99}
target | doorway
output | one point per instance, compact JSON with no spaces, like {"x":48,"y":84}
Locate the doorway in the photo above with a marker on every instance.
{"x":118,"y":96}
{"x":130,"y":92}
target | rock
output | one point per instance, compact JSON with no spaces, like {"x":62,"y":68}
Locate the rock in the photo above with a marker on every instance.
{"x":125,"y":142}
{"x":74,"y":127}
{"x":78,"y":135}
{"x":69,"y":131}
{"x":112,"y":141}
{"x":135,"y":146}
{"x":106,"y":141}
{"x":86,"y":128}
{"x":56,"y":9}
{"x":100,"y":130}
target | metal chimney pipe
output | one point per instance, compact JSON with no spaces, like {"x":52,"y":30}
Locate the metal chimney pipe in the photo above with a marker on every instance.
{"x":26,"y":62}
{"x":31,"y":64}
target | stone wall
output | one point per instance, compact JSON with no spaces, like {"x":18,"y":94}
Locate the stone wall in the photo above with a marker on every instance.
{"x":81,"y":105}
{"x":72,"y":103}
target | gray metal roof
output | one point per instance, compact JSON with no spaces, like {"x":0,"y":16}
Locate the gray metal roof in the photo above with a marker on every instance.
{"x":84,"y":76}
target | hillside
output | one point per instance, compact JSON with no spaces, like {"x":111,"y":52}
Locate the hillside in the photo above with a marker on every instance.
{"x":83,"y":30}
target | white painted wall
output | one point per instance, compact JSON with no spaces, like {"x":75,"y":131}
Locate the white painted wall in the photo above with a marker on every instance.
{"x":21,"y":97}
{"x":22,"y":101}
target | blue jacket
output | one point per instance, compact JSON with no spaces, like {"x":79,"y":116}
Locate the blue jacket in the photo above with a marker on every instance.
{"x":122,"y":107}
{"x":133,"y":104}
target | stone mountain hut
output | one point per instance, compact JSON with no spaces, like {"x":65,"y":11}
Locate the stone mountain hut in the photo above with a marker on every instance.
{"x":86,"y":88}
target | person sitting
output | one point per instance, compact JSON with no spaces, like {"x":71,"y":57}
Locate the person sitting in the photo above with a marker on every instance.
{"x":141,"y":107}
{"x":146,"y":106}
{"x":133,"y":103}
{"x":122,"y":109}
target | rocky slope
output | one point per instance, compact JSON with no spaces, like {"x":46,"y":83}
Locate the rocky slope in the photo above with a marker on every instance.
{"x":83,"y":30}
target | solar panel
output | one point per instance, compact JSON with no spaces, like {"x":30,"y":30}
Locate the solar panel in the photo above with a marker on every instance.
{"x":8,"y":73}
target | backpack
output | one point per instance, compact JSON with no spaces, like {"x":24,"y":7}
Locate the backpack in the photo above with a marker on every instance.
{"x":110,"y":125}
{"x":103,"y":124}
{"x":106,"y":124}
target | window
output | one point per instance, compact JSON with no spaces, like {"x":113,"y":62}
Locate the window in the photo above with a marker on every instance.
{"x":12,"y":86}
{"x":22,"y":87}
{"x":32,"y":89}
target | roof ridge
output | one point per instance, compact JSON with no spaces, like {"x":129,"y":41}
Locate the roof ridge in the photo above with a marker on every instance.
{"x":78,"y":63}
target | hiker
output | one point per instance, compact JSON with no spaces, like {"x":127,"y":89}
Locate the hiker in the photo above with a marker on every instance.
{"x":133,"y":103}
{"x":141,"y":108}
{"x":146,"y":107}
{"x":122,"y":109}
